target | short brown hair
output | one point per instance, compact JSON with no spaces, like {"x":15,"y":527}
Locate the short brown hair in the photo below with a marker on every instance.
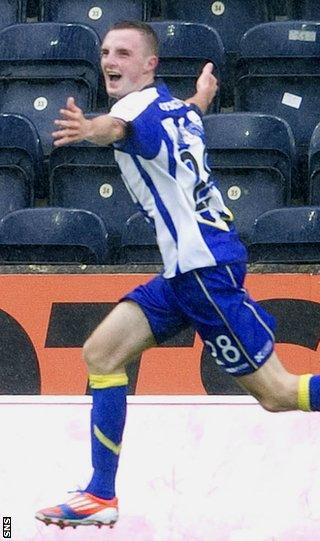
{"x":144,"y":29}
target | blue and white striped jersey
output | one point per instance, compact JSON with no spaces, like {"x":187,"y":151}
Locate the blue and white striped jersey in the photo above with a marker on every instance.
{"x":163,"y":164}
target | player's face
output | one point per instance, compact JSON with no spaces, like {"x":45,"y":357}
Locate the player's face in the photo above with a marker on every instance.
{"x":126,"y":63}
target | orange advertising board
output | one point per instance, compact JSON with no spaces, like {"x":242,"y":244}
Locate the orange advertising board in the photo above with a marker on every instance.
{"x":45,"y":319}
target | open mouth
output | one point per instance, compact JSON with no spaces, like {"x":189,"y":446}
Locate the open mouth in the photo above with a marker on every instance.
{"x":114,"y":76}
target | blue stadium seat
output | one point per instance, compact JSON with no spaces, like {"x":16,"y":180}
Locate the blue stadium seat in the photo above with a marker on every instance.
{"x":100,"y":15}
{"x":287,"y":235}
{"x":53,"y":236}
{"x":87,"y":176}
{"x":138,"y":243}
{"x":278,"y":73}
{"x":184,"y":50}
{"x":314,"y":167}
{"x":12,"y":11}
{"x":21,"y":162}
{"x":41,"y":64}
{"x":253,"y":156}
{"x":231,"y":18}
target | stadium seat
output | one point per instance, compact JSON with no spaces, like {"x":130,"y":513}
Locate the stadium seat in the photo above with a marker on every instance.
{"x":231,"y":18}
{"x":99,"y":15}
{"x":12,"y":11}
{"x":53,"y":236}
{"x":138,"y":243}
{"x":314,"y":167}
{"x":87,"y":176}
{"x":21,"y":162}
{"x":253,"y":156}
{"x":287,"y":235}
{"x":278,"y":73}
{"x":41,"y":64}
{"x":184,"y":50}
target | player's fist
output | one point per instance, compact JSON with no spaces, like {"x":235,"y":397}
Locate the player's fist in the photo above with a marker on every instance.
{"x":207,"y":83}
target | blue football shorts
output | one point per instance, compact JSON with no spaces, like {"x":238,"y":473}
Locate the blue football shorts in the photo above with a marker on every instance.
{"x":213,"y":300}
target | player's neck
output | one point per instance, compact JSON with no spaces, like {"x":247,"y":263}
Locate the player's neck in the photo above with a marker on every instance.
{"x":148,"y":81}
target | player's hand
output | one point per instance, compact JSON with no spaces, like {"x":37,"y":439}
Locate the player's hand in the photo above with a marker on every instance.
{"x":207,"y":84}
{"x":73,"y":126}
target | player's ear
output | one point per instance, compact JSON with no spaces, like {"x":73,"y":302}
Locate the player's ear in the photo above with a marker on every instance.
{"x":153,"y":62}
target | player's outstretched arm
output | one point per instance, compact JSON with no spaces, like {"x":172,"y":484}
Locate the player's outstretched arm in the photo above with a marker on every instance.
{"x":206,"y":88}
{"x":74,"y":127}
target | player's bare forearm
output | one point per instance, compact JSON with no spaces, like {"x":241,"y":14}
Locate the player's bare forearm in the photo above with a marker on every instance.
{"x":74,"y":127}
{"x":105,"y":129}
{"x":200,"y":100}
{"x":206,"y":88}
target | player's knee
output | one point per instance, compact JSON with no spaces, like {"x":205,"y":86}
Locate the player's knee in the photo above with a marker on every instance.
{"x":96,"y":359}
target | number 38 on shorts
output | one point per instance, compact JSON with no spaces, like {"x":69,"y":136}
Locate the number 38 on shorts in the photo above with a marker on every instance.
{"x":224,"y":352}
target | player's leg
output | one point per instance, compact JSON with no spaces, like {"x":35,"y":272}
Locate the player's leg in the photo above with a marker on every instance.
{"x":122,"y":336}
{"x":240,"y":336}
{"x":250,"y":339}
{"x":278,"y":390}
{"x":268,"y":381}
{"x":273,"y":386}
{"x":146,"y":317}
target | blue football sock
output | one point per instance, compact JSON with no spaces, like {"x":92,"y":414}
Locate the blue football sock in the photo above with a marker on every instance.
{"x":309,"y":392}
{"x":108,"y":414}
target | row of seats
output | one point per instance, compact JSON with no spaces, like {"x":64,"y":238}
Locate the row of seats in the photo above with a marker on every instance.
{"x":250,"y":153}
{"x":253,"y":159}
{"x":56,"y":235}
{"x":289,"y":235}
{"x":98,"y":15}
{"x":232,"y":18}
{"x":41,"y":64}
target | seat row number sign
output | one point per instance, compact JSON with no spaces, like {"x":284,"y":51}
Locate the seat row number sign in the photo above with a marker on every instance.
{"x":302,"y":35}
